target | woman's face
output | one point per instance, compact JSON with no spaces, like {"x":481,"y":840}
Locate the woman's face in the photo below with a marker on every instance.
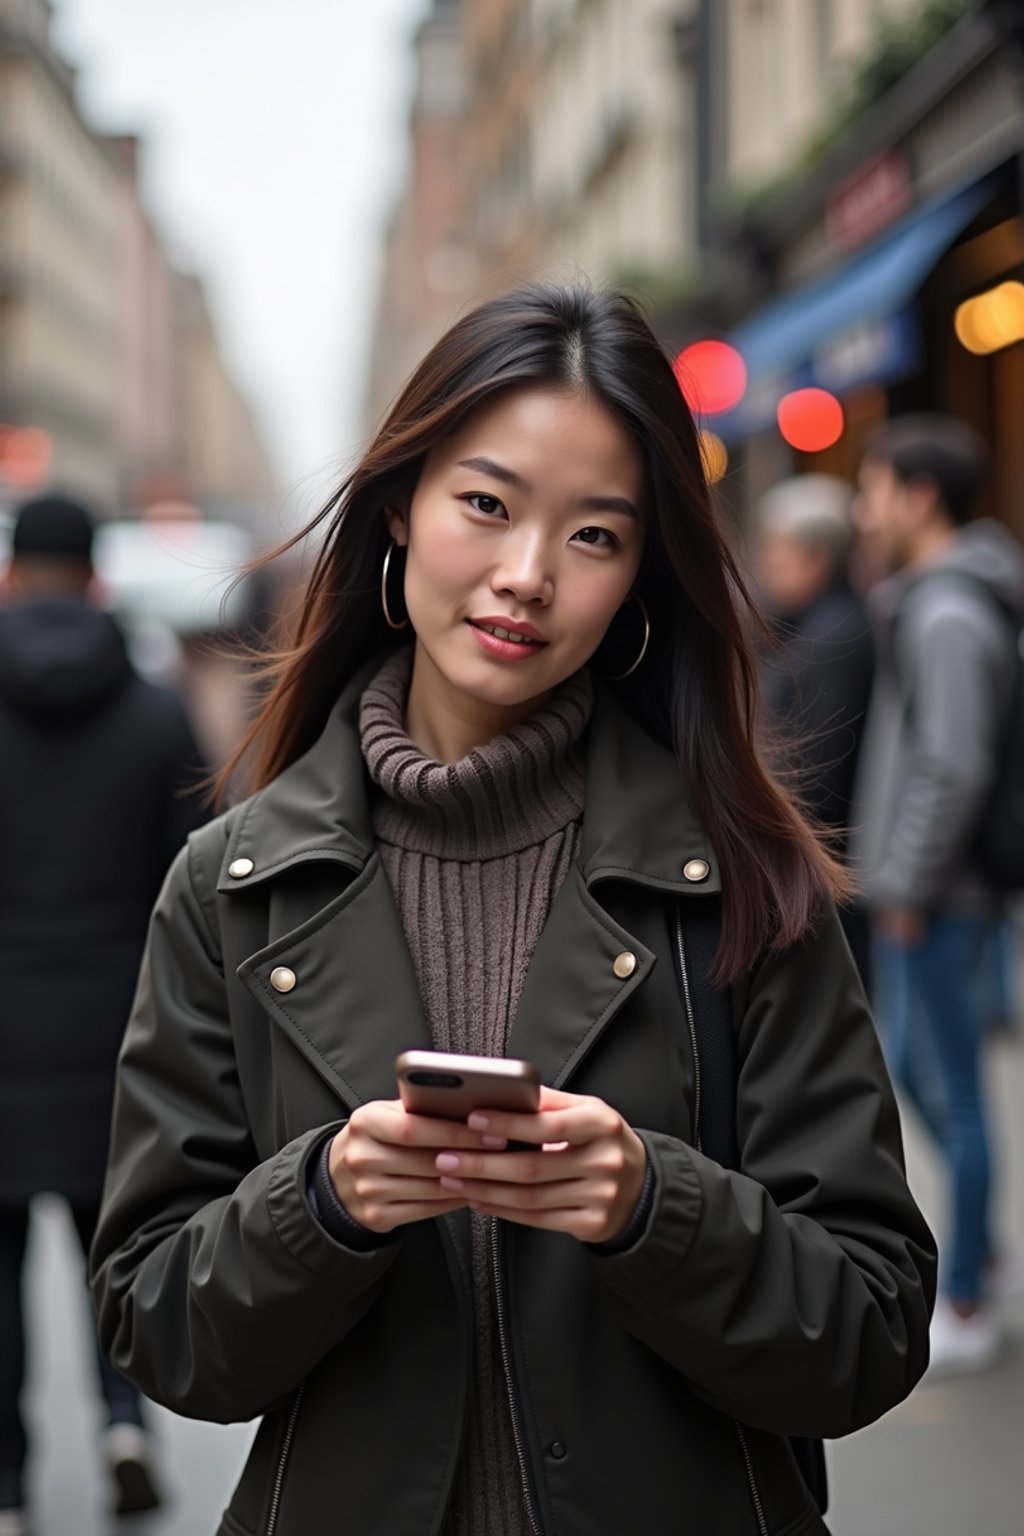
{"x":524,"y":538}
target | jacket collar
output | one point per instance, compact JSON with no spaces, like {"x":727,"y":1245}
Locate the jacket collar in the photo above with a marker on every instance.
{"x":638,"y":825}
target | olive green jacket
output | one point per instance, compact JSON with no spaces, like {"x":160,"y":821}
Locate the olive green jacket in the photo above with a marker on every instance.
{"x":790,"y":1298}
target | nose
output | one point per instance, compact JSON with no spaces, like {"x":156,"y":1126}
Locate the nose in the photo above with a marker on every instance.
{"x":524,"y":571}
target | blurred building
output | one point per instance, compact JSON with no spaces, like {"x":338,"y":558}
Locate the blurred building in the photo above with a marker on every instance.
{"x":429,"y":261}
{"x":111,"y":377}
{"x":825,"y":184}
{"x":546,"y":137}
{"x":60,"y":212}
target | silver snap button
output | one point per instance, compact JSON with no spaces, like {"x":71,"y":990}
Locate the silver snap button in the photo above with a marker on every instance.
{"x":239,"y":868}
{"x":625,"y":964}
{"x":282,"y":979}
{"x":696,"y":870}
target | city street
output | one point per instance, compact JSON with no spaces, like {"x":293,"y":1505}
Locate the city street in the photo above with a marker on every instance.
{"x":943,"y":1464}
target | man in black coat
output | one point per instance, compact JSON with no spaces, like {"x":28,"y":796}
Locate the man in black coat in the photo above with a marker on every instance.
{"x":93,"y":763}
{"x":817,"y":681}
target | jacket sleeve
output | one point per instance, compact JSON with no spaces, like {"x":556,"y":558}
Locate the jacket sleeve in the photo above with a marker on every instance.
{"x":957,"y":661}
{"x":216,"y":1288}
{"x":795,"y":1295}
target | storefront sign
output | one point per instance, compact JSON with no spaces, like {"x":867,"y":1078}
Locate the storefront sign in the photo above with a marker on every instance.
{"x":879,"y":194}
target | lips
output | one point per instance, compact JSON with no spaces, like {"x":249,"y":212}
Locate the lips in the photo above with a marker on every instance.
{"x":505,"y":642}
{"x":506,"y":629}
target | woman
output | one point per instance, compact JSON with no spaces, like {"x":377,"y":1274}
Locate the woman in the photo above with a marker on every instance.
{"x":465,"y":838}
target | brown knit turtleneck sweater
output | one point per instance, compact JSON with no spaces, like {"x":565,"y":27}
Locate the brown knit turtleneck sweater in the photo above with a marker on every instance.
{"x":476,"y":852}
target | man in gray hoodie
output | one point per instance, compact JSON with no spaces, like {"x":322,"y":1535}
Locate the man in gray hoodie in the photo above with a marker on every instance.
{"x":946,"y":623}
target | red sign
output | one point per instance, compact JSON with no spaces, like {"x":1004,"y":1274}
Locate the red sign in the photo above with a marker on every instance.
{"x":874,"y":198}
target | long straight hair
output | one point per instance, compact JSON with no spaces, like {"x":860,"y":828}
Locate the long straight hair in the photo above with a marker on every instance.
{"x":696,"y":689}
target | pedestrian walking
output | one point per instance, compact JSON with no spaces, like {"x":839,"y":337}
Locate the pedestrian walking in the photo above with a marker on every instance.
{"x":947,"y":624}
{"x":816,"y":677}
{"x":92,"y":764}
{"x":507,"y":784}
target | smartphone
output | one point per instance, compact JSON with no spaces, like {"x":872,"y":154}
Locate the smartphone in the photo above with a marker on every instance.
{"x":450,"y":1087}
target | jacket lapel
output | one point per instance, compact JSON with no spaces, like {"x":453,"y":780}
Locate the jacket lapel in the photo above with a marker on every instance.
{"x":355,"y":1003}
{"x":572,"y":992}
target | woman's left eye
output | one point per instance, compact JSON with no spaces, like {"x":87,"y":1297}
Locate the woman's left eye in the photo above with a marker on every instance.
{"x":597,"y":538}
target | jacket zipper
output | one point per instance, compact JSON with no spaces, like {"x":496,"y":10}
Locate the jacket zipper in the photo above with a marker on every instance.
{"x":282,"y":1462}
{"x":691,"y":1024}
{"x":685,"y":980}
{"x":506,"y":1361}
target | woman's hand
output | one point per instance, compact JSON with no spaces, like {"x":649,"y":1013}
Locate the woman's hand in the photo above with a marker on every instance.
{"x":383,"y":1164}
{"x":585,"y":1177}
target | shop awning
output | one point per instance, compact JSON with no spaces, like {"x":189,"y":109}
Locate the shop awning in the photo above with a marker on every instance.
{"x":854,"y":326}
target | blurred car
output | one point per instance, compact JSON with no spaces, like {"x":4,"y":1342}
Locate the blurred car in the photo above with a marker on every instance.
{"x":180,"y":573}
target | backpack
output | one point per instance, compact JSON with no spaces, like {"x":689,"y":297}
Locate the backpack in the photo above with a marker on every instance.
{"x":997,"y":849}
{"x":698,"y":925}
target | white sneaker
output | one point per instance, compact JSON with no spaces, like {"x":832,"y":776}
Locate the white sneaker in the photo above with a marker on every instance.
{"x":129,"y":1452}
{"x":13,"y":1522}
{"x":960,"y":1345}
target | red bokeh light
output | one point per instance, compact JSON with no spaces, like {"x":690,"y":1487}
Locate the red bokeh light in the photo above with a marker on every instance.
{"x":25,"y":454}
{"x":712,"y":376}
{"x":811,"y":419}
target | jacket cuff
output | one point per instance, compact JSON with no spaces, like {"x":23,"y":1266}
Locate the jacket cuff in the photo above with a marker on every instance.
{"x":637,"y":1223}
{"x":671,"y":1226}
{"x":298,"y":1229}
{"x":328,"y":1209}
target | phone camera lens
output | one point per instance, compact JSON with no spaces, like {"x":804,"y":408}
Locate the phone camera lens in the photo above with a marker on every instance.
{"x":435,"y":1079}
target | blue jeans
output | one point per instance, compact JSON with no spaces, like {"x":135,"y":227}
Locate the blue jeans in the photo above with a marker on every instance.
{"x":930,"y":1006}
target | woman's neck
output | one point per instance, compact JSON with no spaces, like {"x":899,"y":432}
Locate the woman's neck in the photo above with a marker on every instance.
{"x":447,"y":724}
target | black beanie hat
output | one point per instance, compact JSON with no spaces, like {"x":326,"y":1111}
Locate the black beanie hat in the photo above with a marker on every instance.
{"x":53,"y":527}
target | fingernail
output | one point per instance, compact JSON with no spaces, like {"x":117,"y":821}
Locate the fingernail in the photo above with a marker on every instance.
{"x":446,"y":1162}
{"x":449,"y":1183}
{"x":495,"y":1143}
{"x":478,"y":1122}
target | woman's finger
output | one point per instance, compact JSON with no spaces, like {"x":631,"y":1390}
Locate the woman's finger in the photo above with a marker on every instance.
{"x":544,"y":1166}
{"x":575,"y":1120}
{"x":504,"y":1199}
{"x":388,"y":1120}
{"x":366,"y":1157}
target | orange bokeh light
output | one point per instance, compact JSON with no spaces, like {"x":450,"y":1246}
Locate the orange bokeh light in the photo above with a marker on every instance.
{"x":715,"y":455}
{"x":712,"y":376}
{"x":811,"y":419}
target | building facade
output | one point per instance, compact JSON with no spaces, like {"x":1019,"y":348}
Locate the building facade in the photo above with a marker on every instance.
{"x":822,"y":182}
{"x":547,"y":138}
{"x":429,"y":259}
{"x":848,"y":272}
{"x":104,"y":368}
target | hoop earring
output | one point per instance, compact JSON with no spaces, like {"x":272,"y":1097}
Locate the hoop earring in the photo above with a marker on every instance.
{"x":384,"y":591}
{"x":619,"y":676}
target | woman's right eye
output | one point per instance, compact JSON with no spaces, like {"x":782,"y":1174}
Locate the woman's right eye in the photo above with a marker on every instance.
{"x":490,"y":506}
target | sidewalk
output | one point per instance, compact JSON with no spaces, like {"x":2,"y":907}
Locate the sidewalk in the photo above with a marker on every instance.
{"x":946,"y":1463}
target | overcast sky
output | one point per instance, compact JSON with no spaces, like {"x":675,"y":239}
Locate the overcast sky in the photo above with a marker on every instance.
{"x":275,"y":137}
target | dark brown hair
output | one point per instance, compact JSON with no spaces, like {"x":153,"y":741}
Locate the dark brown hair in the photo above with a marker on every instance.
{"x":696,"y":688}
{"x":938,"y":449}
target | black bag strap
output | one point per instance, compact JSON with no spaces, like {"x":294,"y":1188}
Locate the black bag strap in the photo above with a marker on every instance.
{"x":709,"y":1015}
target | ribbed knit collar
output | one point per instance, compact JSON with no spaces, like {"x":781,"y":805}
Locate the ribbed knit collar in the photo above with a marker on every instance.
{"x":509,"y":795}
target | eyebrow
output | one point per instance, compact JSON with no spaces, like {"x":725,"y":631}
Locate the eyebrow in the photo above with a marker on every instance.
{"x":496,"y":471}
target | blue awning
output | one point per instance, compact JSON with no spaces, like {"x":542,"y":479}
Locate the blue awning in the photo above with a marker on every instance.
{"x":855,"y":325}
